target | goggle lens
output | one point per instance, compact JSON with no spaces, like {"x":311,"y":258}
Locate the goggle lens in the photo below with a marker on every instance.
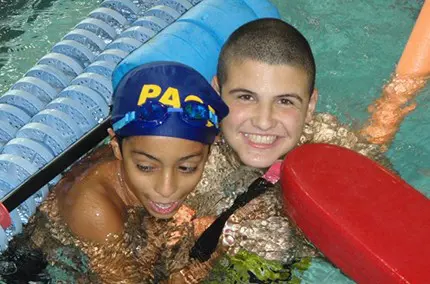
{"x":195,"y":112}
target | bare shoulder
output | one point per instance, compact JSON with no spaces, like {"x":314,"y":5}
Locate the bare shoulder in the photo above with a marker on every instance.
{"x":91,"y":210}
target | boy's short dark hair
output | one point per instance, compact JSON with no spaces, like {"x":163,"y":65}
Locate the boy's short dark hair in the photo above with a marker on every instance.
{"x":270,"y":41}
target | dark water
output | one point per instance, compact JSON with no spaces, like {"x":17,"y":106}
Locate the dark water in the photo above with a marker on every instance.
{"x":10,"y":29}
{"x":29,"y":28}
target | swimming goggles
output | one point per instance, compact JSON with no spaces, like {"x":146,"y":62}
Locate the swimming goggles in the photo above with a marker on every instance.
{"x":154,"y":113}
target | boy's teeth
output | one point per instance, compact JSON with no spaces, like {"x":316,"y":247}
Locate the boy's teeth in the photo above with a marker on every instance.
{"x":164,"y":208}
{"x":164,"y":205}
{"x":261,"y":139}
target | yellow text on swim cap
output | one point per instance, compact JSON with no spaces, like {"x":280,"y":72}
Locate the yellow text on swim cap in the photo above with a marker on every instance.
{"x":169,"y":98}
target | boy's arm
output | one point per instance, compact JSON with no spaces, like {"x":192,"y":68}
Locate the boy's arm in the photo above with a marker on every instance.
{"x":195,"y":271}
{"x":36,"y":256}
{"x":261,"y":228}
{"x":99,"y":230}
{"x":325,"y":128}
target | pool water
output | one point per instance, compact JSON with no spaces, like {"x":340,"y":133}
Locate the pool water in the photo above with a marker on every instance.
{"x":29,"y":29}
{"x":356,"y":45}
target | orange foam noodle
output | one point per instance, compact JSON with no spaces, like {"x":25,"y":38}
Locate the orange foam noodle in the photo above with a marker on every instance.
{"x":415,"y":60}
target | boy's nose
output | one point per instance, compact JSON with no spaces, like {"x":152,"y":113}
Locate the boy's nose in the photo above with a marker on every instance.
{"x":166,"y":186}
{"x":263,"y":117}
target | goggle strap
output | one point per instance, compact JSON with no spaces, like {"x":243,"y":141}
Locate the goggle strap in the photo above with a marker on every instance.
{"x":213,"y":118}
{"x":128,"y":117}
{"x":174,"y":109}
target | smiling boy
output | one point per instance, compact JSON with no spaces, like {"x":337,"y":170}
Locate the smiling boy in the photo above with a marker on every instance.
{"x":266,"y":75}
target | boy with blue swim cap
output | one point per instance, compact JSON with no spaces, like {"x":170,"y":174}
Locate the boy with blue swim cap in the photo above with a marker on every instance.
{"x":164,"y":99}
{"x":125,"y":211}
{"x":164,"y":117}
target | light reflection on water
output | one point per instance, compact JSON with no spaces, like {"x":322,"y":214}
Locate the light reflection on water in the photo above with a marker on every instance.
{"x":28,"y":30}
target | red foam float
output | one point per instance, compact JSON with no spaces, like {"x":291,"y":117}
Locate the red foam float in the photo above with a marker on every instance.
{"x":5,"y":220}
{"x":366,"y":220}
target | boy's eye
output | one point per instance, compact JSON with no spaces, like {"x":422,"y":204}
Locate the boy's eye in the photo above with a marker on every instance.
{"x":145,"y":168}
{"x":245,"y":97}
{"x":187,"y":170}
{"x":286,"y":102}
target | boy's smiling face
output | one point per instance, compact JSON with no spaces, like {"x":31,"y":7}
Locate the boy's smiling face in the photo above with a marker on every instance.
{"x":269,"y":105}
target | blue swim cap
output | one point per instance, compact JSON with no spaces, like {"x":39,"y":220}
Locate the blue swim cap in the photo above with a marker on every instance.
{"x":167,"y":99}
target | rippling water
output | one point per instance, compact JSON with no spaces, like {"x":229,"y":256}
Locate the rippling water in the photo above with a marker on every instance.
{"x":29,"y":28}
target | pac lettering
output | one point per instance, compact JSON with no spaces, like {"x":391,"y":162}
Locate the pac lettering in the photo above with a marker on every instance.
{"x":210,"y":124}
{"x":193,"y":98}
{"x":148,"y":92}
{"x":171,"y":98}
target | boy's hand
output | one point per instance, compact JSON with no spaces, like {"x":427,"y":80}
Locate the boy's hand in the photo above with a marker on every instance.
{"x":195,"y":272}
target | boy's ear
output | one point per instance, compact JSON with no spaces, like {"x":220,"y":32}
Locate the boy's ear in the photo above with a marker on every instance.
{"x":215,"y":84}
{"x":114,"y":144}
{"x":312,"y":105}
{"x":217,"y":138}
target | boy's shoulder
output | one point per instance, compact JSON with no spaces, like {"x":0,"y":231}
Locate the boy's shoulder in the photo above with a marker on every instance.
{"x":90,"y":206}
